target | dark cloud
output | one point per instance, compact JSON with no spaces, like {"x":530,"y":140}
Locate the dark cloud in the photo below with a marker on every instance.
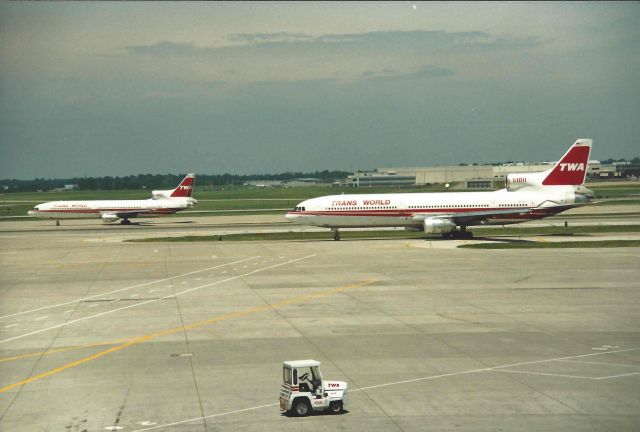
{"x":427,"y":71}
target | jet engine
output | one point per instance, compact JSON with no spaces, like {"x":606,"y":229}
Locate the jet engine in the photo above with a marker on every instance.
{"x":109,"y":218}
{"x":191,"y":202}
{"x":161,"y":194}
{"x":513,"y":182}
{"x":438,"y":226}
{"x":412,"y":228}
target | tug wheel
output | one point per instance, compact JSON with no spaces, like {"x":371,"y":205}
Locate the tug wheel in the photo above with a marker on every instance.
{"x":335,"y":407}
{"x":301,"y":408}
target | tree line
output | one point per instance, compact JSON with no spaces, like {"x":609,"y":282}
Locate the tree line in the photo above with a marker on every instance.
{"x":159,"y":181}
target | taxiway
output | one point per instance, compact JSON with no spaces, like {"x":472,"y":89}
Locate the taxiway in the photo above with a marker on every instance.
{"x":98,"y":334}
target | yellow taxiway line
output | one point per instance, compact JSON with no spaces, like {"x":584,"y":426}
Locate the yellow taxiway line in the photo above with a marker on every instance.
{"x":150,"y":336}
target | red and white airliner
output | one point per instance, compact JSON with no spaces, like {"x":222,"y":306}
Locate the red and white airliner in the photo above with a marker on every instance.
{"x":526,"y":197}
{"x":162,"y":202}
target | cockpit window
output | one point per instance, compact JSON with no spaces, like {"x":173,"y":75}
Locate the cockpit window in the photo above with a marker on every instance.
{"x":298,"y":209}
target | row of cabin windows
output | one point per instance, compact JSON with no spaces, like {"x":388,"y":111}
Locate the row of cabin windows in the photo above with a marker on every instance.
{"x":417,"y":207}
{"x":450,"y":206}
{"x":467,"y":206}
{"x":362,"y":208}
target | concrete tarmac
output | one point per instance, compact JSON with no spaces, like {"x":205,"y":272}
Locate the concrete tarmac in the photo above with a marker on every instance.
{"x":98,"y":334}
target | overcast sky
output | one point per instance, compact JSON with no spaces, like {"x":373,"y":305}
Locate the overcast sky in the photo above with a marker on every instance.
{"x":127,"y":88}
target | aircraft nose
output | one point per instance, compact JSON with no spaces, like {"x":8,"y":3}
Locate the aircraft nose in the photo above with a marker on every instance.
{"x":290,"y":217}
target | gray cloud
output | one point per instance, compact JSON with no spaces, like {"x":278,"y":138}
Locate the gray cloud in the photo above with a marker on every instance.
{"x":404,"y":40}
{"x":426,"y":71}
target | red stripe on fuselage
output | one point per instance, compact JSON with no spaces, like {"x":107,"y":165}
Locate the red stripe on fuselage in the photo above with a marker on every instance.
{"x":399,"y":212}
{"x":98,"y":211}
{"x":536,"y":213}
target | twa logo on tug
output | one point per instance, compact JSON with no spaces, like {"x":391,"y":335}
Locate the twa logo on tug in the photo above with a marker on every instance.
{"x":525,"y":197}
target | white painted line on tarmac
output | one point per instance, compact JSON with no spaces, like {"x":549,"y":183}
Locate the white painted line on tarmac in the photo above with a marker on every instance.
{"x":209,"y":416}
{"x":126,"y":288}
{"x":158,"y":299}
{"x":545,"y":373}
{"x":41,"y":318}
{"x":12,"y":325}
{"x":600,"y":363}
{"x":487,"y":369}
{"x":618,"y":376}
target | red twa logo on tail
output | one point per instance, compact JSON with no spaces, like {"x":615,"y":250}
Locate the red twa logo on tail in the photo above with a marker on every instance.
{"x":185,"y":188}
{"x":572,"y":168}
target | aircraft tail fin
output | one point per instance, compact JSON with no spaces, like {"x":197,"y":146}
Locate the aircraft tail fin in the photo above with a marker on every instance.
{"x":185,"y":188}
{"x":571,"y":169}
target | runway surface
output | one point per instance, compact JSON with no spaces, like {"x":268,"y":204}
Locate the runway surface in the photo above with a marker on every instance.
{"x":98,"y":334}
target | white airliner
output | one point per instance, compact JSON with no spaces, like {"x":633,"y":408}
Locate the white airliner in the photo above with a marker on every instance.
{"x":163,"y":202}
{"x":526,"y":197}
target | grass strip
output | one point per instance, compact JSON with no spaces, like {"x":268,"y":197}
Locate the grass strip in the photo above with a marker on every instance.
{"x":554,"y":245}
{"x":522,"y":230}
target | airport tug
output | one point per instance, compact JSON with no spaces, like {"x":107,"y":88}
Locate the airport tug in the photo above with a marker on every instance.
{"x":304,"y":390}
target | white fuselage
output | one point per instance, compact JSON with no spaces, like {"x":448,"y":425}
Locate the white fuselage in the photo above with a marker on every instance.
{"x":411,"y":209}
{"x":98,"y":208}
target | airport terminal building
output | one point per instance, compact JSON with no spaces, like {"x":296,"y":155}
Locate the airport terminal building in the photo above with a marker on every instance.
{"x":464,"y":176}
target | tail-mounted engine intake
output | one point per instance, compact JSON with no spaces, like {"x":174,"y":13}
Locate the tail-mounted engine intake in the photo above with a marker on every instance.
{"x":438,"y":226}
{"x":161,"y":194}
{"x":514,"y":182}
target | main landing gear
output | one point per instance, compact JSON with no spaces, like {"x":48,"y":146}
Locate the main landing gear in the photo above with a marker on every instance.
{"x":125,"y":221}
{"x":336,"y":234}
{"x":456,"y":235}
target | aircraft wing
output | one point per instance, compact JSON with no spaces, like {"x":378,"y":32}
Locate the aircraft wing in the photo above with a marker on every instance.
{"x":471,"y":217}
{"x":131,"y":214}
{"x":114,"y":215}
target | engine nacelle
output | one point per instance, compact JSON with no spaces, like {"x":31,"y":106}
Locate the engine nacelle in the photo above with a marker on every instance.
{"x":161,"y":194}
{"x":109,"y":218}
{"x":513,"y":182}
{"x":438,"y":226}
{"x":412,"y":228}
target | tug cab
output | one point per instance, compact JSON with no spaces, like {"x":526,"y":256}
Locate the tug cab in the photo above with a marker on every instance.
{"x":304,"y":390}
